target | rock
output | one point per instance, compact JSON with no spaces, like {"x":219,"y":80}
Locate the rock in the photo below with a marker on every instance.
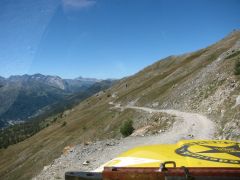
{"x":209,"y":110}
{"x":85,"y":163}
{"x":45,"y":168}
{"x":237,"y":101}
{"x":68,"y":149}
{"x":86,"y":143}
{"x":156,"y":104}
{"x":232,"y":85}
{"x":110,"y":144}
{"x":114,"y":95}
{"x":191,"y":135}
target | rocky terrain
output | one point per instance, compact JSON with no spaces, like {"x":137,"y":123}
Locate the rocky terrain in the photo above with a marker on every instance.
{"x":194,"y":95}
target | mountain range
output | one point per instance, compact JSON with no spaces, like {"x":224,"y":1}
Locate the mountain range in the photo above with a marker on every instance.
{"x":27,"y":96}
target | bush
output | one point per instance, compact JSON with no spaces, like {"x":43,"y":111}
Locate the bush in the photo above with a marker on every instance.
{"x":64,"y":124}
{"x":127,"y":128}
{"x":237,"y":67}
{"x":84,"y":128}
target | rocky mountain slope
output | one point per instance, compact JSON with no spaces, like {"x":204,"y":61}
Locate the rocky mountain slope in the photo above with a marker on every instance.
{"x":23,"y":97}
{"x":200,"y":82}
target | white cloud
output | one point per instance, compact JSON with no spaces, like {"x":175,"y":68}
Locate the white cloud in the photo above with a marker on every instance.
{"x":78,"y":4}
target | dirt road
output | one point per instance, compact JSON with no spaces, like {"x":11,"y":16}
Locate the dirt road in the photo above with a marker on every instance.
{"x":188,"y":126}
{"x":196,"y":125}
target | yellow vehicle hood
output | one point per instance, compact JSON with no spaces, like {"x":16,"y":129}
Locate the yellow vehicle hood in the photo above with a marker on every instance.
{"x":188,"y":153}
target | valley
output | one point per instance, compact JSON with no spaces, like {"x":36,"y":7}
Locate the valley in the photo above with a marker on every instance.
{"x":27,"y":96}
{"x":38,"y":101}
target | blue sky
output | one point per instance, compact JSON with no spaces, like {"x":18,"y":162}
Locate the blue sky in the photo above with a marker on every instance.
{"x":106,"y":38}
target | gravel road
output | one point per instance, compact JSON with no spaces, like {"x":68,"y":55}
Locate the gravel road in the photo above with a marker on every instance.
{"x":196,"y":125}
{"x":188,"y":126}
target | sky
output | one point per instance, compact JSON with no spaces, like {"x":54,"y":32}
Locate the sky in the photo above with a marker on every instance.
{"x":106,"y":38}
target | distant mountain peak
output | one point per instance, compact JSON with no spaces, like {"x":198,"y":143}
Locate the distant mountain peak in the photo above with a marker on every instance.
{"x":80,"y":78}
{"x":2,"y":78}
{"x":37,"y":75}
{"x":67,"y":85}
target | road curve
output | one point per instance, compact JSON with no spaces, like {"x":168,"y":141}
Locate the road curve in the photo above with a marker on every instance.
{"x":199,"y":126}
{"x":187,"y":126}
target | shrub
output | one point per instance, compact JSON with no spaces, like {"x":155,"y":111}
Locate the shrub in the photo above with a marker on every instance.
{"x":237,"y":67}
{"x":127,"y":128}
{"x":54,"y":119}
{"x":64,"y":124}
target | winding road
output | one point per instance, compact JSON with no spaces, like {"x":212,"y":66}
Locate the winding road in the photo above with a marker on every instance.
{"x":194,"y":124}
{"x":186,"y":126}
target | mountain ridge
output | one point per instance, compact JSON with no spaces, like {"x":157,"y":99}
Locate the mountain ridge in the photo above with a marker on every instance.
{"x":24,"y":95}
{"x":53,"y":80}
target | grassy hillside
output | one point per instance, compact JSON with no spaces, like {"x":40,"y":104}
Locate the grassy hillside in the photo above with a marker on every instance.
{"x":202,"y":81}
{"x":18,"y":132}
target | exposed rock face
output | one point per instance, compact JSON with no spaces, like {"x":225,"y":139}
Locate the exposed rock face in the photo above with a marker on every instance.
{"x":56,"y":81}
{"x":237,"y":101}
